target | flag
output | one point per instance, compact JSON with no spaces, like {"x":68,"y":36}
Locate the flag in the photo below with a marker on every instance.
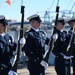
{"x":8,"y":2}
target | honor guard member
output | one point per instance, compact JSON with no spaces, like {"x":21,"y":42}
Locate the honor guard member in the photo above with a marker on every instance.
{"x":35,"y":47}
{"x":6,"y":49}
{"x":60,"y":48}
{"x":71,"y":22}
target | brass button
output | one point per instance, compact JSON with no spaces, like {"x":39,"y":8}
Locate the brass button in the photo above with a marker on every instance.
{"x":1,"y":68}
{"x":34,"y":60}
{"x":57,"y":56}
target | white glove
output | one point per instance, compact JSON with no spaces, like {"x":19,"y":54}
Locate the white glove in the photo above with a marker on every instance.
{"x":66,"y":57}
{"x":11,"y":72}
{"x":22,"y":41}
{"x":44,"y":64}
{"x":55,"y":36}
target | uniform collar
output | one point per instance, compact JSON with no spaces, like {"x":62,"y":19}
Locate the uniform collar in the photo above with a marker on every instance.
{"x":3,"y":34}
{"x":61,"y":30}
{"x":37,"y":30}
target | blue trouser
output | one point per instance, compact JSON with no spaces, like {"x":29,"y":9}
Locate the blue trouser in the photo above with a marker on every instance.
{"x":73,"y":64}
{"x":36,"y":73}
{"x":73,"y":59}
{"x":60,"y":66}
{"x":35,"y":69}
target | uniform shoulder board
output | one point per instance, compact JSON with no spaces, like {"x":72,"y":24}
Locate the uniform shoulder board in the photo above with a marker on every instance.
{"x":11,"y":38}
{"x":43,"y":32}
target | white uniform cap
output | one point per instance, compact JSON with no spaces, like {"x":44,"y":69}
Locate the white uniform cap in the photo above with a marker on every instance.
{"x":3,"y":19}
{"x":32,"y":16}
{"x":3,"y":16}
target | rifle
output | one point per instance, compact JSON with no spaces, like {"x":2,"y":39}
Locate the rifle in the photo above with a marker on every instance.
{"x":51,"y":41}
{"x":70,"y":45}
{"x":20,"y":36}
{"x":69,"y":53}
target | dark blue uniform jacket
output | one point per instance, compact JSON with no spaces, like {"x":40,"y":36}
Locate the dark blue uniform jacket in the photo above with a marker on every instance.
{"x":60,"y":45}
{"x":35,"y":46}
{"x":6,"y":52}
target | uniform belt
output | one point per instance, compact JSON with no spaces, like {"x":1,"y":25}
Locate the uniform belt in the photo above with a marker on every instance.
{"x":59,"y":57}
{"x":31,"y":60}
